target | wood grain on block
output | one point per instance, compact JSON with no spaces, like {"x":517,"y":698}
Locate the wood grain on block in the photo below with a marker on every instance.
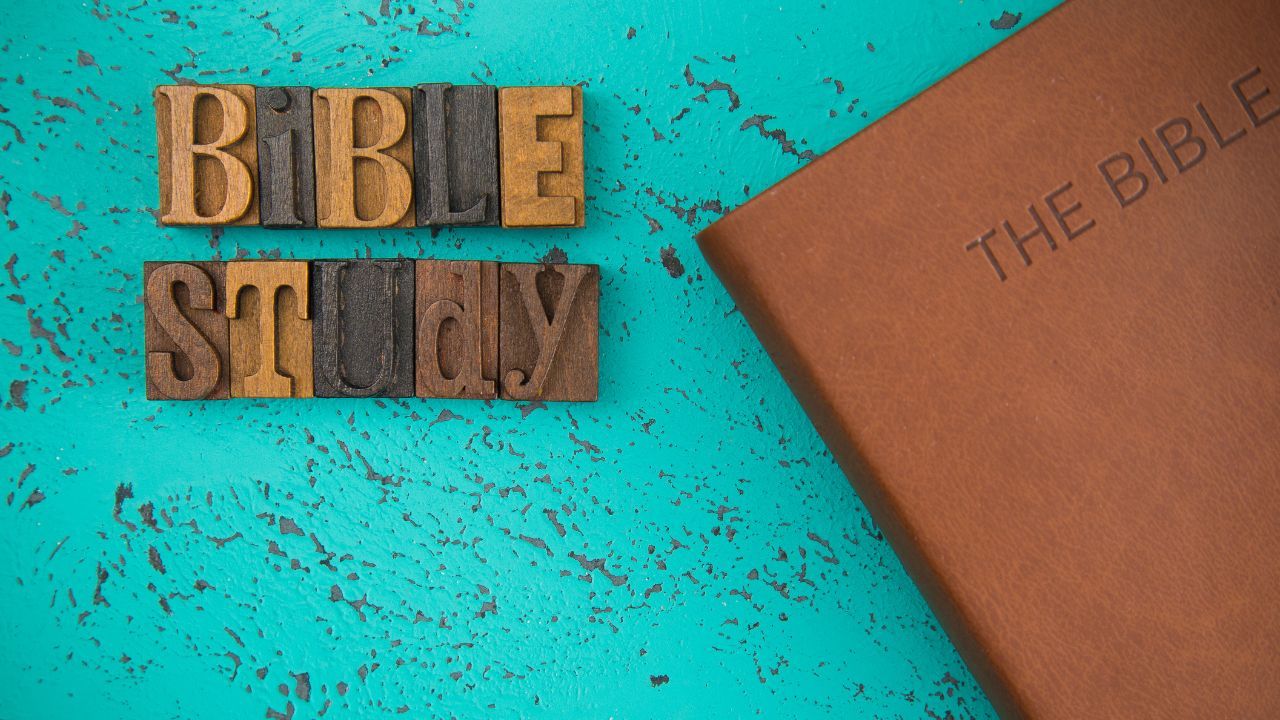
{"x":187,"y":341}
{"x":363,"y":344}
{"x":207,"y":154}
{"x":457,"y":328}
{"x":364,"y":157}
{"x":286,"y":157}
{"x":455,"y":154}
{"x":549,"y":331}
{"x":542,"y":163}
{"x":267,"y":301}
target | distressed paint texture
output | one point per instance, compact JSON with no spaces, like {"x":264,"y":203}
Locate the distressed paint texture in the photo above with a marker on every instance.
{"x":685,"y":547}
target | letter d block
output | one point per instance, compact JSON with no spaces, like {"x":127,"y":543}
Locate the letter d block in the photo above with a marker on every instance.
{"x":457,"y":327}
{"x":208,"y":154}
{"x":364,"y":157}
{"x":188,"y":350}
{"x":267,"y":301}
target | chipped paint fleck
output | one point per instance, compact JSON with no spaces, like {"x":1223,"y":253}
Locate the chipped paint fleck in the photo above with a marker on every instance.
{"x":685,"y":547}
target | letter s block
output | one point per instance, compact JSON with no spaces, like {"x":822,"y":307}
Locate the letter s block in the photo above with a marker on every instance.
{"x":208,"y":154}
{"x":267,"y":301}
{"x":364,"y":157}
{"x":540,"y":132}
{"x":188,"y":350}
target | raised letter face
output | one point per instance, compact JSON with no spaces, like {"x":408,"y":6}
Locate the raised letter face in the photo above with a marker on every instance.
{"x":455,"y":154}
{"x":286,"y":157}
{"x":457,"y":328}
{"x":270,"y":329}
{"x":186,"y":331}
{"x":542,"y":165}
{"x":364,"y":158}
{"x":549,"y":327}
{"x":198,"y":129}
{"x":364,"y":328}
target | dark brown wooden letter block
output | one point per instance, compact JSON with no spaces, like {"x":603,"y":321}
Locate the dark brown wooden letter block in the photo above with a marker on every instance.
{"x":208,"y":154}
{"x":364,"y":157}
{"x":457,"y":327}
{"x":542,"y":164}
{"x":363,"y":328}
{"x":549,"y":331}
{"x":286,"y":157}
{"x":188,"y":350}
{"x":267,"y":302}
{"x":455,"y":154}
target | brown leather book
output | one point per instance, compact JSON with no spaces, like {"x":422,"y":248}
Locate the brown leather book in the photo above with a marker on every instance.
{"x":1035,"y":313}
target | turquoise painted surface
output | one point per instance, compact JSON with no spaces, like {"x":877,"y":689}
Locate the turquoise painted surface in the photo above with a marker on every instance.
{"x":683,"y":548}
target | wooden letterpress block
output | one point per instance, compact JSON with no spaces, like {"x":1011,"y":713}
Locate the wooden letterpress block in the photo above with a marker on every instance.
{"x":455,"y":154}
{"x":186,"y":331}
{"x":364,"y":157}
{"x":363,"y":328}
{"x":540,"y":129}
{"x":286,"y":157}
{"x":548,"y":328}
{"x":457,"y":328}
{"x":208,"y":154}
{"x":267,"y":301}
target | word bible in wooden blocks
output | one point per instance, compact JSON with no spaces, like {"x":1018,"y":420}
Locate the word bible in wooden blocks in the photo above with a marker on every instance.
{"x":429,"y":156}
{"x":371,"y":328}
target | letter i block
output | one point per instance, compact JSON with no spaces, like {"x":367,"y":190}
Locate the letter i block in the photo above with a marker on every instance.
{"x":549,"y":323}
{"x":540,"y":130}
{"x":364,"y":157}
{"x":188,"y":349}
{"x":286,"y":157}
{"x":208,"y":154}
{"x":457,"y":329}
{"x":363,"y":328}
{"x":267,"y":301}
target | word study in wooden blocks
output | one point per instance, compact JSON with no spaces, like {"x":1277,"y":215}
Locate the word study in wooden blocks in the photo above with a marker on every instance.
{"x":371,"y":328}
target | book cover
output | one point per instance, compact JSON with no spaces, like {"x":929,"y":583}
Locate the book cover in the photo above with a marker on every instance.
{"x":1035,"y":313}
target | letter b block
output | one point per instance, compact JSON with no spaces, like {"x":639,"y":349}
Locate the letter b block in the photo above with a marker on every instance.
{"x":208,"y":154}
{"x":364,"y":157}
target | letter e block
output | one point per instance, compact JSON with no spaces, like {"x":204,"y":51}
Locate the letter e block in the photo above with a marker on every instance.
{"x":540,"y":130}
